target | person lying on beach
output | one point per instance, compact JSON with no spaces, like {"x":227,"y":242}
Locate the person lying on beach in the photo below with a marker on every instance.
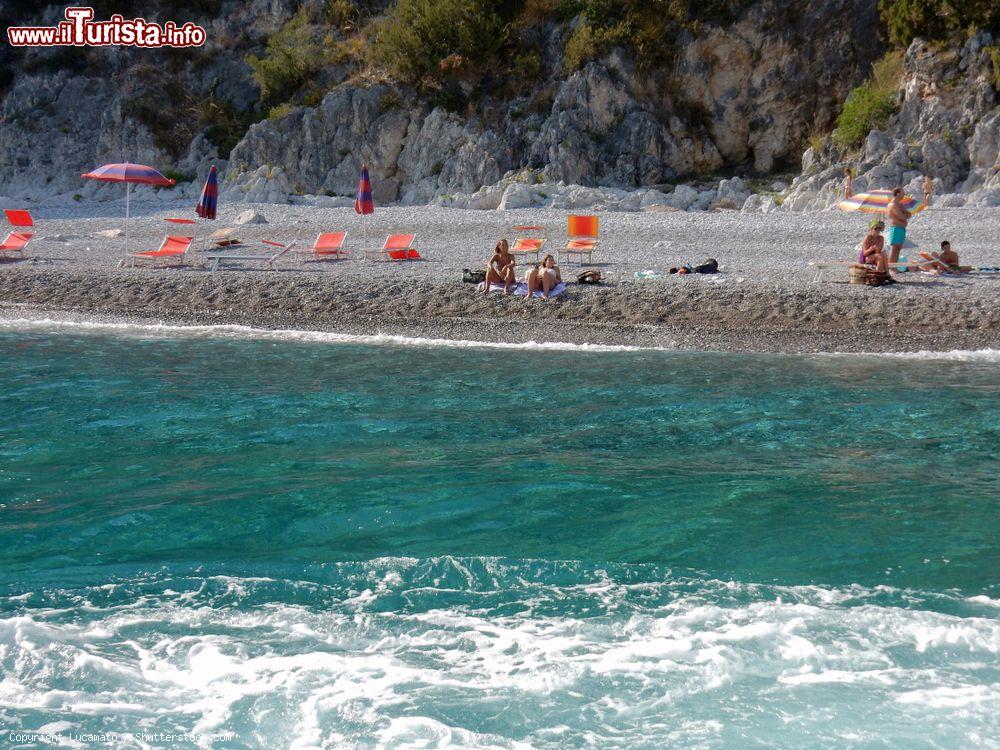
{"x":500,"y":268}
{"x":545,"y":277}
{"x":873,"y":247}
{"x":946,"y":261}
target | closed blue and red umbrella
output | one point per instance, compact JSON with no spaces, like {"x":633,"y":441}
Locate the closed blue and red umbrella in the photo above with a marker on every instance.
{"x":363,"y":203}
{"x":128,"y":173}
{"x":209,"y":195}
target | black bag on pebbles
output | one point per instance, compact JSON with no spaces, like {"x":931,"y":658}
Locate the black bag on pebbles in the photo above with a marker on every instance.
{"x":473,"y":277}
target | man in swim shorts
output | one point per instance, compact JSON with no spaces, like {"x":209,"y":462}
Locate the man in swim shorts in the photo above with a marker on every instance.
{"x":899,"y":217}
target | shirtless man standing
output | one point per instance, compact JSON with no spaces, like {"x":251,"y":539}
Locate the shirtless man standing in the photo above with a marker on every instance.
{"x":898,"y":217}
{"x":928,"y":189}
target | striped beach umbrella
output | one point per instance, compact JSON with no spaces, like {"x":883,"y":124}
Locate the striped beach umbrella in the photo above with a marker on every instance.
{"x":209,"y":195}
{"x":128,"y":173}
{"x":877,"y":202}
{"x":363,"y":203}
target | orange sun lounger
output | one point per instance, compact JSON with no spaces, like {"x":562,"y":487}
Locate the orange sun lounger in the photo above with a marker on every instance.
{"x":528,"y":246}
{"x":398,"y":247}
{"x":19,"y":217}
{"x":581,"y":238}
{"x":15,"y":243}
{"x":172,"y":247}
{"x":328,"y":245}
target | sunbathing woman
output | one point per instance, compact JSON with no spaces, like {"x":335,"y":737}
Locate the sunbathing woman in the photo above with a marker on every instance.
{"x":873,"y":247}
{"x":544,"y":277}
{"x":500,"y":268}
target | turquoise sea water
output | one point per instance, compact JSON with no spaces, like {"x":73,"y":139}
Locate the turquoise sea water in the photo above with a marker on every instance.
{"x":269,"y":542}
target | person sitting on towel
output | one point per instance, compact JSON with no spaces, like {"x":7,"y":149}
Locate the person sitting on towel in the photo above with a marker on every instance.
{"x":544,"y":277}
{"x":873,"y":247}
{"x":500,"y":268}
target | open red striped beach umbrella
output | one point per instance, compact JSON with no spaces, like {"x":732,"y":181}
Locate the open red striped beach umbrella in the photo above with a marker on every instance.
{"x":877,"y":202}
{"x":128,"y":173}
{"x":209,"y":195}
{"x":363,"y":203}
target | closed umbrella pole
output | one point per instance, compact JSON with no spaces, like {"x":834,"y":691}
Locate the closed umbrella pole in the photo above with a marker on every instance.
{"x":364,"y":205}
{"x":208,"y":202}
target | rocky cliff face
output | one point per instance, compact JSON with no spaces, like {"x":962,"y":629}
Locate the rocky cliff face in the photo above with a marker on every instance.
{"x":748,"y":94}
{"x":948,"y":127}
{"x":67,"y":110}
{"x":745,"y":95}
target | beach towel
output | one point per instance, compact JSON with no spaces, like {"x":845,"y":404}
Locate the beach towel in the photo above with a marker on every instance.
{"x":521,"y":289}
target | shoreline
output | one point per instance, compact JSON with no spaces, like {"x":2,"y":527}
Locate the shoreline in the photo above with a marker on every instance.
{"x":764,"y":299}
{"x":696,"y":320}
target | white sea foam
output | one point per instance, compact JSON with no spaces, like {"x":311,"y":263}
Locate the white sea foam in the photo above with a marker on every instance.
{"x":161,"y":330}
{"x":955,"y":355}
{"x":611,"y":663}
{"x":227,"y":331}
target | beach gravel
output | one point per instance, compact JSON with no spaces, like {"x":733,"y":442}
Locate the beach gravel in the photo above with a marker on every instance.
{"x":764,"y":299}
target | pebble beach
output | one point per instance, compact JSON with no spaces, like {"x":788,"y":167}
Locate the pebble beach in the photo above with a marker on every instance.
{"x":765,"y":297}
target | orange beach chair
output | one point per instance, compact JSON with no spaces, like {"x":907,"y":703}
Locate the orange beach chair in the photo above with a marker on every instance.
{"x":528,"y":246}
{"x":15,"y":243}
{"x":171,"y":247}
{"x":328,"y":245}
{"x":19,"y":217}
{"x":581,"y":238}
{"x":398,"y":247}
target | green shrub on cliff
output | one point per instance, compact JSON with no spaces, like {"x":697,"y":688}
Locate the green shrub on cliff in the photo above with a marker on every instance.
{"x":433,"y":40}
{"x":647,"y":29}
{"x":870,"y":105}
{"x":937,"y":20}
{"x":292,"y":56}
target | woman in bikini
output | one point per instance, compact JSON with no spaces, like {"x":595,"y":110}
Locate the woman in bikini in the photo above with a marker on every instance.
{"x":544,"y":277}
{"x":873,"y":247}
{"x":500,"y":268}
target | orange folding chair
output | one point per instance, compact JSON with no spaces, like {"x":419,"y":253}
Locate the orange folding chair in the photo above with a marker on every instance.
{"x":581,"y":238}
{"x":328,"y":245}
{"x":19,"y":217}
{"x":398,"y":247}
{"x":15,"y":242}
{"x":528,"y":246}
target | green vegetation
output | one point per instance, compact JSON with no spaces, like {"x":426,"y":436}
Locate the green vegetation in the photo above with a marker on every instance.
{"x":870,"y":105}
{"x":648,"y":29}
{"x":292,"y":57}
{"x":937,"y":20}
{"x":429,"y":42}
{"x":178,"y":176}
{"x":995,"y":59}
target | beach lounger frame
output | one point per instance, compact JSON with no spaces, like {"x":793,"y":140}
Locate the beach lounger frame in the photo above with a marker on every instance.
{"x":173,"y":246}
{"x":821,"y":266}
{"x":220,"y":259}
